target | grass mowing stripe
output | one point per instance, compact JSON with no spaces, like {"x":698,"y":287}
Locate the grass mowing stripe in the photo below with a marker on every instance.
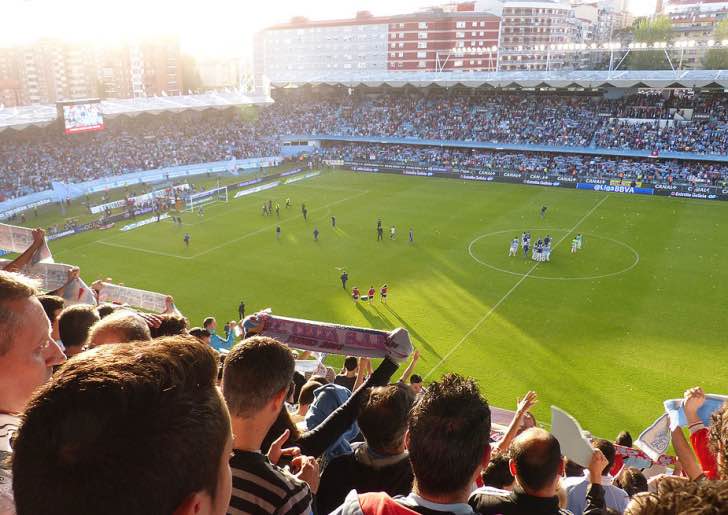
{"x":508,"y":293}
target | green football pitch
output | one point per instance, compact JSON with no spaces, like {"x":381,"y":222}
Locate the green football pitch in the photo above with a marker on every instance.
{"x":633,"y":318}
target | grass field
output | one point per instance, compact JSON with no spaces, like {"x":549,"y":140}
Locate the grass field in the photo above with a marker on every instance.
{"x":607,"y":334}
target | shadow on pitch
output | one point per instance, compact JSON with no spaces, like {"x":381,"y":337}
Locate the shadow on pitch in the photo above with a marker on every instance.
{"x":417,"y":336}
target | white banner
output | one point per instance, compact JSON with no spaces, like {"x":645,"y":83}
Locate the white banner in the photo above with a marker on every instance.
{"x":257,"y":189}
{"x":148,"y":300}
{"x":53,"y":276}
{"x":144,"y":222}
{"x":19,"y":239}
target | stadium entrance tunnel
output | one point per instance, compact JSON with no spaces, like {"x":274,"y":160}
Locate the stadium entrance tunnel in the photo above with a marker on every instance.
{"x":600,"y":256}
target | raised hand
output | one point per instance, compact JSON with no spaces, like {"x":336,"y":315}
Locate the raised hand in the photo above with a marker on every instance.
{"x":693,"y":399}
{"x":276,"y":449}
{"x":525,"y":404}
{"x":306,"y":469}
{"x":596,"y":467}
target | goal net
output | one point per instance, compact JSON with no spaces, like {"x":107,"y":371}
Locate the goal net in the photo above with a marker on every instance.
{"x":196,"y":200}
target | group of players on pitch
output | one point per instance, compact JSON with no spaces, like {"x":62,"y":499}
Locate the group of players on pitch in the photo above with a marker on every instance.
{"x":541,"y":251}
{"x":371,"y":293}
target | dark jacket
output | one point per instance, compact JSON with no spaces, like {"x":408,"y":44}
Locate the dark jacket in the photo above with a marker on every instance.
{"x":364,"y":472}
{"x":517,"y":502}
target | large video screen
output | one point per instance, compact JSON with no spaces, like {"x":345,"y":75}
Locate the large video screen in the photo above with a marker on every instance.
{"x":82,"y":117}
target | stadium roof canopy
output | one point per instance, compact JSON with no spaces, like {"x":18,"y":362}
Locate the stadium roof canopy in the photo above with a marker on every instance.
{"x":522,"y":79}
{"x":42,"y":115}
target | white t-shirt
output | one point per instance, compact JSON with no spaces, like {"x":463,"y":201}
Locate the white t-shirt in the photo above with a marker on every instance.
{"x":8,"y":427}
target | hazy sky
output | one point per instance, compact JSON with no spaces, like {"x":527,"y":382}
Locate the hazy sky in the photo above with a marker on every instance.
{"x":208,"y":27}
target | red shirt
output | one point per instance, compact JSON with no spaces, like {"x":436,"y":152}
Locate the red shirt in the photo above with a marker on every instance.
{"x":372,"y":291}
{"x":701,"y":446}
{"x":384,"y":291}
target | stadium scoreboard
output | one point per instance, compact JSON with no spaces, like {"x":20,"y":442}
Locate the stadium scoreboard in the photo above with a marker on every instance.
{"x":81,"y":115}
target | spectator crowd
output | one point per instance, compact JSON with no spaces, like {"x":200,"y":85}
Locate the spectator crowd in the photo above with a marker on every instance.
{"x":581,"y":166}
{"x":108,"y":409}
{"x":653,"y":121}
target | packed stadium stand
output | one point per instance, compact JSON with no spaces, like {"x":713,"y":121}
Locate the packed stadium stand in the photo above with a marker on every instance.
{"x":112,"y":407}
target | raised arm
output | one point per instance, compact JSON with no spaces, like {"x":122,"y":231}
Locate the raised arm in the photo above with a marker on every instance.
{"x":316,"y":441}
{"x":523,"y":407}
{"x":411,"y":367}
{"x":693,"y":399}
{"x":25,"y":258}
{"x":685,"y":455}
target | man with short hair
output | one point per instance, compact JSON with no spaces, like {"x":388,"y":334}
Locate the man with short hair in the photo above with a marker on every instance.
{"x":576,"y":487}
{"x":28,"y":354}
{"x":347,"y":377}
{"x":216,"y":341}
{"x":381,"y":463}
{"x":74,"y":324}
{"x":145,"y":415}
{"x":256,"y":379}
{"x":447,"y":440}
{"x":201,"y":334}
{"x":120,"y":327}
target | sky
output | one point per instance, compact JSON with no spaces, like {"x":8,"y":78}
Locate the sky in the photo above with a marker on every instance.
{"x":208,"y":28}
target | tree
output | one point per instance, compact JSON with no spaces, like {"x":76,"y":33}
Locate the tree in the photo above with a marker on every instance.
{"x":650,"y":30}
{"x":717,"y":58}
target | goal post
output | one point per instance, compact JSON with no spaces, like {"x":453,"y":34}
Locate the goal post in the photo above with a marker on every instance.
{"x":204,"y":198}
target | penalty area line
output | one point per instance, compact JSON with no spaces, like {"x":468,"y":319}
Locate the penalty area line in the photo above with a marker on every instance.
{"x":508,"y":293}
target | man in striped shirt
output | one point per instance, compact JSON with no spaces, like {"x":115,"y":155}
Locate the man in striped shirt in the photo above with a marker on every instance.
{"x":256,"y":379}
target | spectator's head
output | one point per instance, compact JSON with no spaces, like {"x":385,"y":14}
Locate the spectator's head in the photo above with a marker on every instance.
{"x":209,"y":323}
{"x":255,"y":380}
{"x":624,"y":439}
{"x":52,"y":305}
{"x":497,"y":473}
{"x":572,"y":469}
{"x":536,"y":462}
{"x":74,"y":324}
{"x":138,"y":428}
{"x":201,"y":334}
{"x":305,"y":398}
{"x":106,"y":308}
{"x":631,"y":480}
{"x":719,"y":439}
{"x":171,"y":325}
{"x":609,"y":452}
{"x":677,"y":496}
{"x":27,"y":351}
{"x":416,"y":383}
{"x":119,"y":327}
{"x":383,"y":418}
{"x":447,"y":437}
{"x":351,"y":364}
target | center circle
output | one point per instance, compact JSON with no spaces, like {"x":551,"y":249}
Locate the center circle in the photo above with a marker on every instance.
{"x":601,"y":256}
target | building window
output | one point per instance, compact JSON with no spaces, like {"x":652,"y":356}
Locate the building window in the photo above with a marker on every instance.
{"x":460,"y":34}
{"x":422,"y":44}
{"x":458,"y":63}
{"x":422,"y":64}
{"x":421,"y":55}
{"x":422,"y":25}
{"x":460,"y":25}
{"x":422,"y":35}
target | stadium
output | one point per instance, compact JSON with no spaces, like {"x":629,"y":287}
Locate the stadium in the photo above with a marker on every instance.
{"x":608,"y":188}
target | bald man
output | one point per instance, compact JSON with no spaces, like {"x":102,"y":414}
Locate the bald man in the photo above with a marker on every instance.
{"x":123,"y":326}
{"x":536,"y":464}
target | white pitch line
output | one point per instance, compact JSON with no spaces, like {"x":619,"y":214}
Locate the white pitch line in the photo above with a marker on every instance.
{"x":508,"y":293}
{"x":146,"y":251}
